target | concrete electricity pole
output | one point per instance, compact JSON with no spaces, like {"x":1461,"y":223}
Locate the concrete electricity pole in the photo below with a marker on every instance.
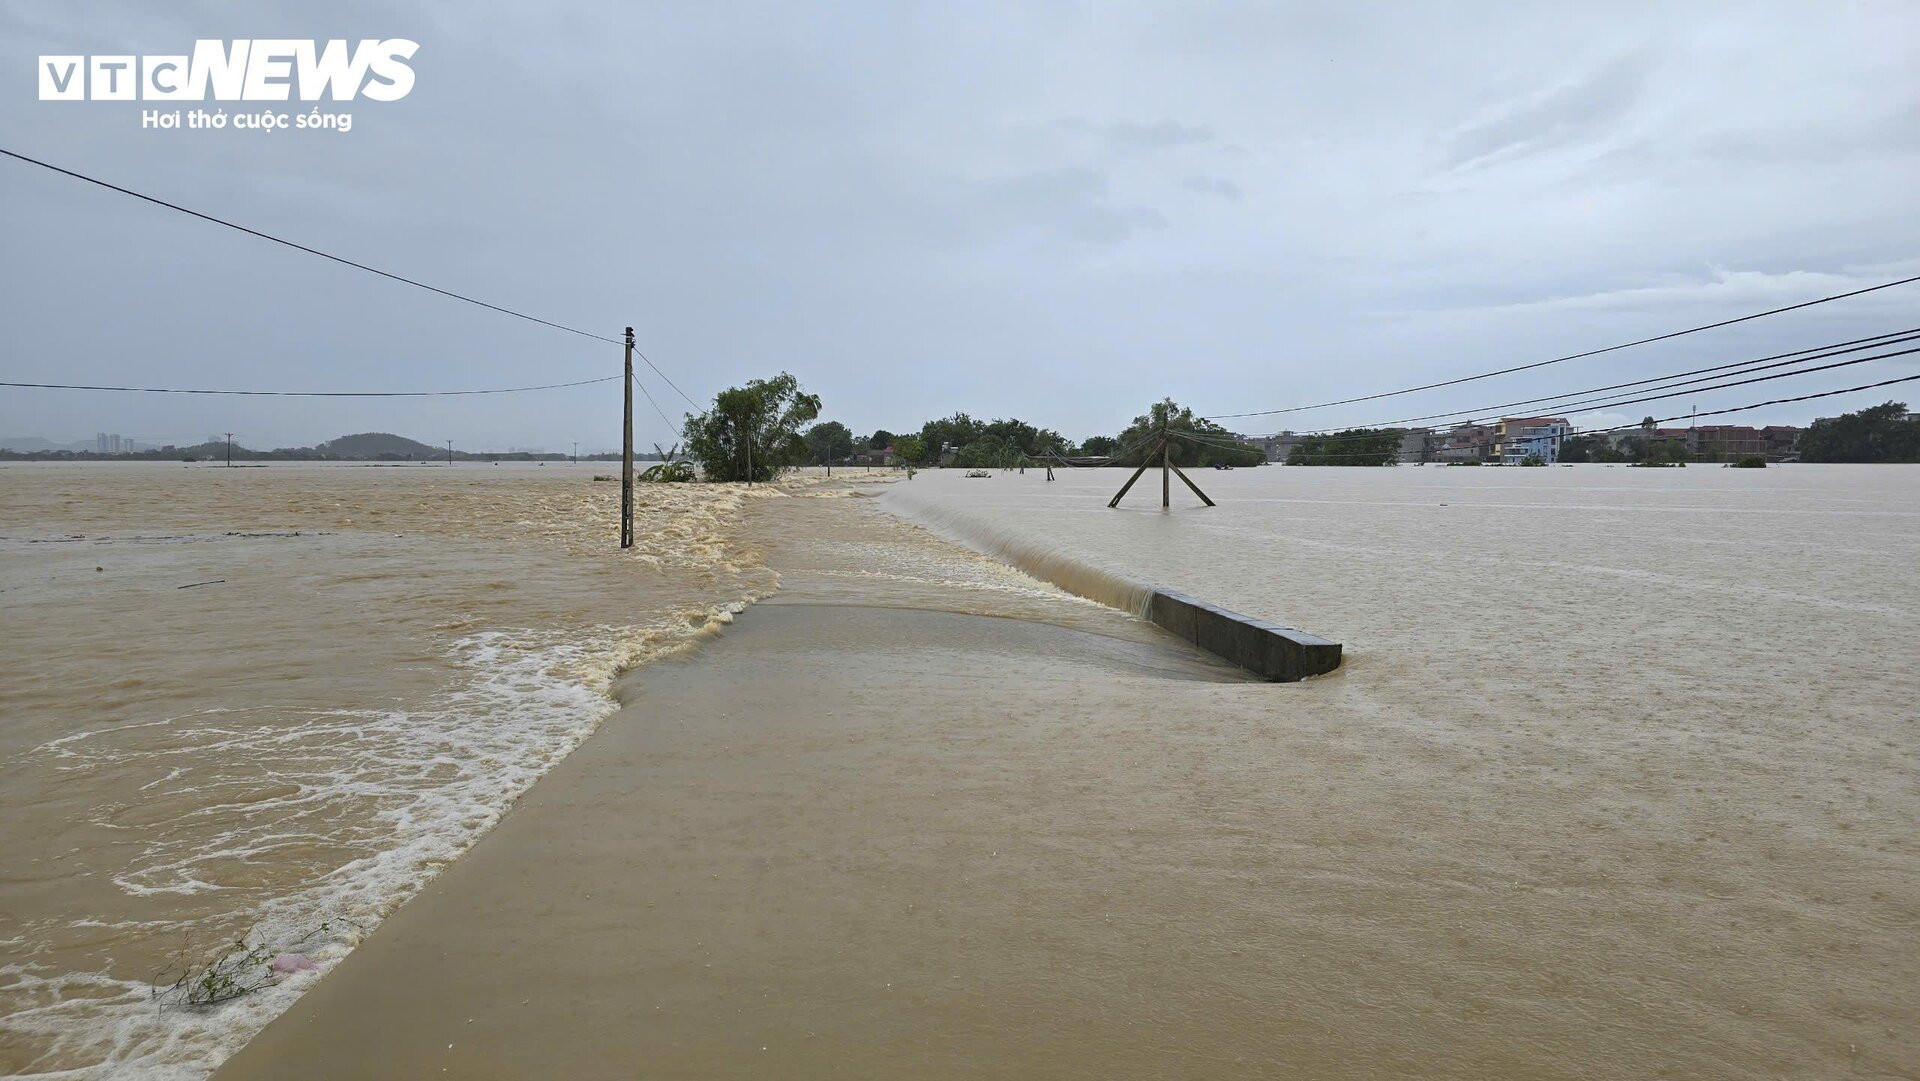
{"x":626,"y":455}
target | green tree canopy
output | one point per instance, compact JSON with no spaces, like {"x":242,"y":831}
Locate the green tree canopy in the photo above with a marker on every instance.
{"x":752,"y":432}
{"x":880,"y":440}
{"x":955,"y":431}
{"x":828,"y":437}
{"x":908,"y":448}
{"x":1355,"y":446}
{"x":1879,"y":433}
{"x":1204,"y":444}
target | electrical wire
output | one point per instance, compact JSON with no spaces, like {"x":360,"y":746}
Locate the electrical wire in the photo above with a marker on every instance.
{"x":304,"y":248}
{"x":671,"y":426}
{"x":1667,"y":392}
{"x":310,"y":393}
{"x":1573,"y":356}
{"x":1758,"y":364}
{"x":1572,"y":433}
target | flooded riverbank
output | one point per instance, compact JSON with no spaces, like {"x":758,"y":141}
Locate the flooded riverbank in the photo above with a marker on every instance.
{"x":247,"y":703}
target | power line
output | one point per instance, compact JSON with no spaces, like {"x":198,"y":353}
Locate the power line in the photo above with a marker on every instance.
{"x":1758,"y":364}
{"x":1675,"y":390}
{"x":312,"y":393}
{"x":310,"y":251}
{"x":1573,"y":356}
{"x":1679,"y":416}
{"x":671,"y":426}
{"x":663,"y":376}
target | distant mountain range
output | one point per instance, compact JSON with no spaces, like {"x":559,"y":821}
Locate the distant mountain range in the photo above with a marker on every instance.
{"x":360,"y":447}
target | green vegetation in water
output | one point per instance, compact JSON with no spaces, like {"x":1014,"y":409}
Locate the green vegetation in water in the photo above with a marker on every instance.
{"x":1533,"y":460}
{"x":673,"y":469}
{"x":1750,"y":461}
{"x":752,"y":433}
{"x":1355,"y":446}
{"x":250,"y":963}
{"x":1881,"y":433}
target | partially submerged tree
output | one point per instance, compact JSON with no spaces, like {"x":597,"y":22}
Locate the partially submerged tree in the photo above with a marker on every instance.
{"x":673,"y":469}
{"x":1194,"y":440}
{"x":1355,"y":446}
{"x":1880,"y":433}
{"x":752,"y":433}
{"x":828,"y":438}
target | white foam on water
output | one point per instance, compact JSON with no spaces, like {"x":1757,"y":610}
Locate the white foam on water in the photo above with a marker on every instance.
{"x":409,"y":790}
{"x":1039,"y":560}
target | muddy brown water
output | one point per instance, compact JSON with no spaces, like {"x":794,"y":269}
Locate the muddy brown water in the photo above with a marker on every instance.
{"x":1573,"y":808}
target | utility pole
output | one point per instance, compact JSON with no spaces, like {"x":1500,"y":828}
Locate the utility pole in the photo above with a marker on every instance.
{"x":229,"y":450}
{"x":576,"y":452}
{"x":449,"y":452}
{"x":626,"y":455}
{"x":1166,"y":466}
{"x":1167,"y":471}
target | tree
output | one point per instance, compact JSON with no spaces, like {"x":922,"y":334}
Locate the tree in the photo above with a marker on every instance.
{"x":673,"y":469}
{"x":1097,"y":446}
{"x":752,"y":433}
{"x":880,"y":440}
{"x":829,"y":437}
{"x":955,"y":431}
{"x":987,"y":452}
{"x":1880,"y":433}
{"x":1203,"y":442}
{"x":1355,"y":446}
{"x":907,"y":448}
{"x":1589,"y":448}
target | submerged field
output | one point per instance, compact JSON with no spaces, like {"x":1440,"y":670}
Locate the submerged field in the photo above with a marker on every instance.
{"x":1616,"y":780}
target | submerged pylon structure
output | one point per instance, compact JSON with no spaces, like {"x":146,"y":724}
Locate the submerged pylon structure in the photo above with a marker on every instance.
{"x":1163,"y":444}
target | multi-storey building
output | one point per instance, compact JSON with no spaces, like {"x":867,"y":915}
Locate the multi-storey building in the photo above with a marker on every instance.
{"x":1515,"y":439}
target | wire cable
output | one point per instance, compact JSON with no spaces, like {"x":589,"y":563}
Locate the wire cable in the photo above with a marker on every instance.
{"x":344,"y":261}
{"x":311,"y":393}
{"x":1572,"y":433}
{"x":1674,"y":390}
{"x":1575,"y":356}
{"x":1758,"y":364}
{"x":671,"y":426}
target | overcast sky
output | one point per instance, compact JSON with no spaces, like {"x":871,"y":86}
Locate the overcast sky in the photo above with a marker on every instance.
{"x":1054,"y":211}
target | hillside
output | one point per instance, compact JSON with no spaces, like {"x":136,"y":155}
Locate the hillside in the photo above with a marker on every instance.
{"x":378,"y":445}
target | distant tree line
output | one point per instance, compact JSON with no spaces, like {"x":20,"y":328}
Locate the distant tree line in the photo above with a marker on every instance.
{"x":1355,"y":446}
{"x":1881,"y":433}
{"x":965,"y":441}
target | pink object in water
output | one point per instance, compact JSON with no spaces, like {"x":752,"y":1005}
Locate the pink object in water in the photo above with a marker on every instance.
{"x":292,"y":962}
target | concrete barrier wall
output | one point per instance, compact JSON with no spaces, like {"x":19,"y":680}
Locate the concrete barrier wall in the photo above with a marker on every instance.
{"x":1277,"y":653}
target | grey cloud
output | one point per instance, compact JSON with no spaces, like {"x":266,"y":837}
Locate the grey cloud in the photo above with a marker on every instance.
{"x":1139,"y":135}
{"x":1565,"y":114}
{"x":1073,"y":203}
{"x":891,"y":208}
{"x":1213,"y":185}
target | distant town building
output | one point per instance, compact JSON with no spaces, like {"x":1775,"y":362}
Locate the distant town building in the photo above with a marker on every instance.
{"x":1461,"y":443}
{"x":1515,"y":439}
{"x":1725,"y":442}
{"x":1274,"y":447}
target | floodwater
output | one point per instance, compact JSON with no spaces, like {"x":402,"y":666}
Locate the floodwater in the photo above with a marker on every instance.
{"x":1622,"y":762}
{"x":1618,"y":778}
{"x":266,"y":704}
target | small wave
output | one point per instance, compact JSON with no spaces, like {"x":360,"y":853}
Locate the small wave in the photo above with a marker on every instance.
{"x":391,"y":795}
{"x":1038,"y":560}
